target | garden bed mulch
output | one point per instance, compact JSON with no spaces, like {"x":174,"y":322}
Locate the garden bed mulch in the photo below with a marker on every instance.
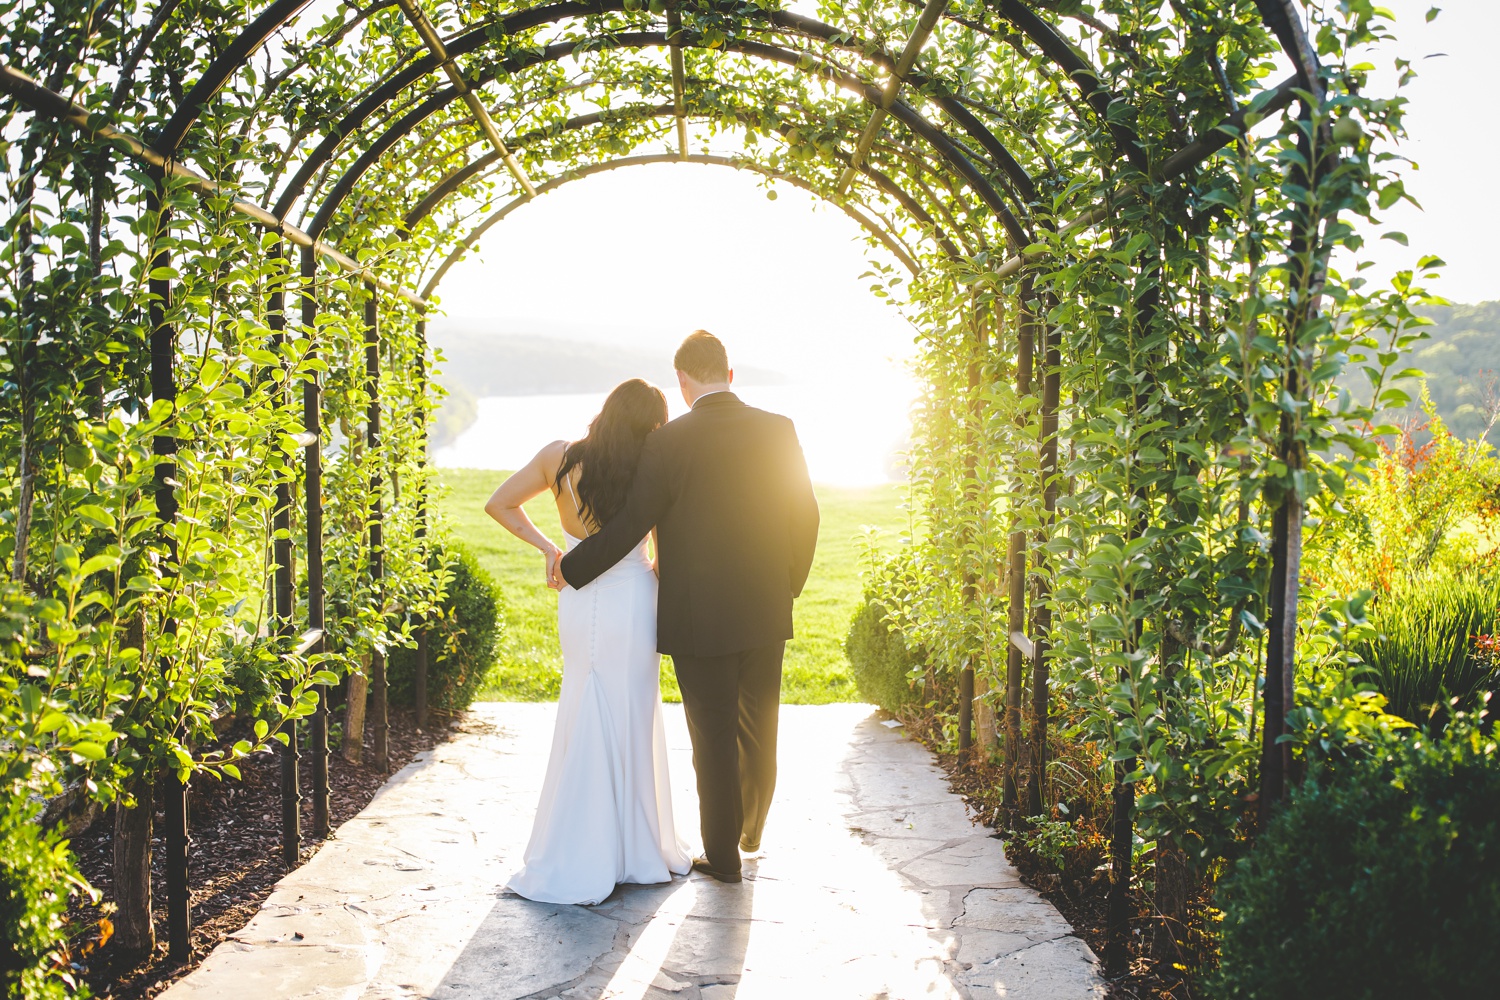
{"x":1082,"y":900}
{"x":235,"y":856}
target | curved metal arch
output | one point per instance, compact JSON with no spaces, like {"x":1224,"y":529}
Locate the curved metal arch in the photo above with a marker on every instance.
{"x":1057,"y":49}
{"x":474,"y":168}
{"x":426,"y":65}
{"x":465,"y":245}
{"x":816,"y":30}
{"x":448,"y":185}
{"x":477,"y":34}
{"x":469,"y":171}
{"x":1004,"y":159}
{"x":629,"y":40}
{"x":1053,"y":46}
{"x":913,"y":120}
{"x":228,"y":62}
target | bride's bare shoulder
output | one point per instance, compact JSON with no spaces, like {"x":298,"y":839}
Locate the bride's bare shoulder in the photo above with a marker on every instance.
{"x":549,"y":459}
{"x":554,"y":449}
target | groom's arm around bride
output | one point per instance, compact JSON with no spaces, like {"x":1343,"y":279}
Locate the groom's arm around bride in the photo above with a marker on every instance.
{"x":726,"y":486}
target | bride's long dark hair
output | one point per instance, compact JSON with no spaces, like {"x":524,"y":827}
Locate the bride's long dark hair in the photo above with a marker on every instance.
{"x":610,"y":451}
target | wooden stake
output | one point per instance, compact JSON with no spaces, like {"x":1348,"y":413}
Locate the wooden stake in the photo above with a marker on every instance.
{"x":354,"y":715}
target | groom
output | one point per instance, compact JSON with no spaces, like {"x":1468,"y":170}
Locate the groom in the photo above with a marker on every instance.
{"x":726,"y":487}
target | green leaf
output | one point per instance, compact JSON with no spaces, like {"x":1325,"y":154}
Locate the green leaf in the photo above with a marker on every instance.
{"x":99,"y":564}
{"x":1390,"y":194}
{"x":50,"y":722}
{"x":95,"y":515}
{"x":88,"y":751}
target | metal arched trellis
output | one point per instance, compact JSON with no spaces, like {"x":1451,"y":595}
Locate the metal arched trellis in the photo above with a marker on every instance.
{"x":978,"y":146}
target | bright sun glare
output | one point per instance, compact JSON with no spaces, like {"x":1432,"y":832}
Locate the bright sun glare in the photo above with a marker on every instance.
{"x":641,"y":257}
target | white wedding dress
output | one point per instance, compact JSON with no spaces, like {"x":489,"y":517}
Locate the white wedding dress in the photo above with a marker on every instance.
{"x":605,"y":814}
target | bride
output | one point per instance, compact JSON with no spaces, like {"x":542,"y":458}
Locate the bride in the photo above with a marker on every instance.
{"x":605,"y":814}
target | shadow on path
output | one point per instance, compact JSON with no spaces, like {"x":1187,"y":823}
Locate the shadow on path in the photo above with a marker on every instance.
{"x":677,"y":938}
{"x":874,"y":884}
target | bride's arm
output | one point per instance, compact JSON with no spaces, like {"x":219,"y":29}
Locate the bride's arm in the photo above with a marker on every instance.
{"x":506,"y":503}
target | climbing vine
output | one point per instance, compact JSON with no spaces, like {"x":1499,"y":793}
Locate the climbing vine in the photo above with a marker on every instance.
{"x":1124,"y":239}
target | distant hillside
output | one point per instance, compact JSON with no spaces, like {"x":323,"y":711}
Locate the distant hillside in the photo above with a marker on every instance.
{"x":477,"y":364}
{"x":487,"y":364}
{"x":1461,"y":359}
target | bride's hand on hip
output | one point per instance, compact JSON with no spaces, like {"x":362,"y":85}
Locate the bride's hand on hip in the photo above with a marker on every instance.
{"x":553,"y":556}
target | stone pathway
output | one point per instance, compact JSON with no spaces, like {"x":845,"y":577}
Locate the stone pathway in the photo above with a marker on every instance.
{"x":873,"y":884}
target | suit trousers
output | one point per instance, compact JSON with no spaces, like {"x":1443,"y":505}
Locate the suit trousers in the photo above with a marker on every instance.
{"x":731,"y":703}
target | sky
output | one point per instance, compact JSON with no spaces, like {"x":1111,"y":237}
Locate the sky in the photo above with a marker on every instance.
{"x":1453,"y":140}
{"x":644,"y":256}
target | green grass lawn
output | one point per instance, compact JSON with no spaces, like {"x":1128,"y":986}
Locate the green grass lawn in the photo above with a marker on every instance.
{"x":529,"y":667}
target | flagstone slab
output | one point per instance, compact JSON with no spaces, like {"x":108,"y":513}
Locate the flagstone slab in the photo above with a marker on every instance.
{"x":1046,"y":971}
{"x":976,"y":861}
{"x":940,"y":821}
{"x":874,"y":882}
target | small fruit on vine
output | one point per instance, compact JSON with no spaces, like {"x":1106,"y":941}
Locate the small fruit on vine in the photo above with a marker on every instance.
{"x":1346,"y":131}
{"x":770,"y":194}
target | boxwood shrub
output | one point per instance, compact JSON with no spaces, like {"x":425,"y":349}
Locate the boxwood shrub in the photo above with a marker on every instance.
{"x":36,"y":873}
{"x":1379,"y":879}
{"x":463,"y":641}
{"x":879,"y":659}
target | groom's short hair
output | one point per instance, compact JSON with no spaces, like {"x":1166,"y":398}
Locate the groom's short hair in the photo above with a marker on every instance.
{"x":702,"y":358}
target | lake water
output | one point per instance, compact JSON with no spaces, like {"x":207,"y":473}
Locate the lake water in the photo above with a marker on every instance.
{"x":852,"y":434}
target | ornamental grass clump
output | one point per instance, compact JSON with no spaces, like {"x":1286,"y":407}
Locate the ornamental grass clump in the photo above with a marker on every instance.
{"x":1429,"y":655}
{"x":1380,"y":878}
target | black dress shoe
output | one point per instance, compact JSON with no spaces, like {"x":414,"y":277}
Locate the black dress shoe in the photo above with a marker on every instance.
{"x":702,"y":865}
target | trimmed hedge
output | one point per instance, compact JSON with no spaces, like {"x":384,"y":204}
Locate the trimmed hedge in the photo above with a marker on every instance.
{"x":463,"y":643}
{"x":879,"y":659}
{"x":1382,"y":880}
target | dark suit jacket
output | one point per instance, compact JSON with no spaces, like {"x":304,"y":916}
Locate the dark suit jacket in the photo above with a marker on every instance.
{"x":727,"y":489}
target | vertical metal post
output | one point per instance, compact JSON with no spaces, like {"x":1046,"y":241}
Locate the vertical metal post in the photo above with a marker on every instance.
{"x":1122,"y":819}
{"x":164,"y":389}
{"x":1042,"y":611}
{"x":1015,"y":664}
{"x":971,"y":444}
{"x":965,"y":709}
{"x":284,"y":612}
{"x":379,"y":713}
{"x":1272,"y":771}
{"x":312,"y":424}
{"x":421,"y":529}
